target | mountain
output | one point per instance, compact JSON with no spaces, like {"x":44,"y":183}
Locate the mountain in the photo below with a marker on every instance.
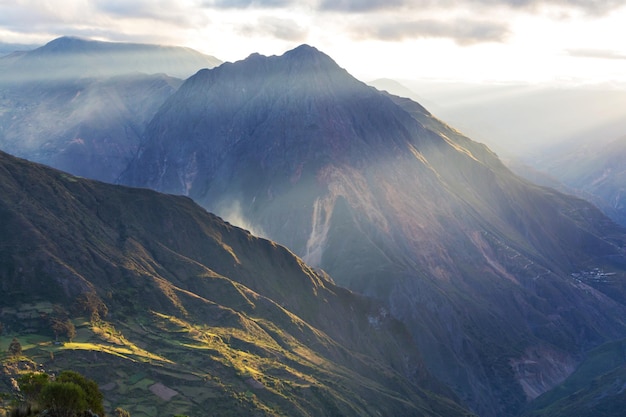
{"x":395,"y":204}
{"x":69,"y":58}
{"x":81,"y":106}
{"x":594,"y":170}
{"x":10,"y":48}
{"x":177,"y":311}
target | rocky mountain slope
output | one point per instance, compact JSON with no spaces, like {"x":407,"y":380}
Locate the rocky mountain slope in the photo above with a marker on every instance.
{"x":393,"y":203}
{"x":81,"y":106}
{"x":596,"y":389}
{"x":178,"y":312}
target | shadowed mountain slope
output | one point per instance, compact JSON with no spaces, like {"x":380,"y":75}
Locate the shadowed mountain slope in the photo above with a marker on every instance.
{"x":81,"y":106}
{"x":232,"y":323}
{"x":596,"y":389}
{"x":395,"y":204}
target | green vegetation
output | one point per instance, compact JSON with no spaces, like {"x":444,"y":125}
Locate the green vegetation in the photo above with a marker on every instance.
{"x":31,"y":384}
{"x":68,"y":395}
{"x":63,"y":399}
{"x":226,"y":370}
{"x":93,"y":396}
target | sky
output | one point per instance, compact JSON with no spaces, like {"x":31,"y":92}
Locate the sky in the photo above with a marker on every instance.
{"x":492,"y":41}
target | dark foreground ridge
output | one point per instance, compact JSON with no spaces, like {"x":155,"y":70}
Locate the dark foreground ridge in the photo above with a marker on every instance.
{"x":171,"y":310}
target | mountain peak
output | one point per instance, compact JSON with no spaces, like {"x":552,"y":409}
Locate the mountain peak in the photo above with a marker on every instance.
{"x":303,"y":70}
{"x":67,"y":39}
{"x":65,"y":44}
{"x":309,"y":55}
{"x":304,"y":50}
{"x":301,"y":56}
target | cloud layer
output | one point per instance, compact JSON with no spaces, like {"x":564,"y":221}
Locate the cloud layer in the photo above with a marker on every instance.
{"x":279,"y":28}
{"x":596,"y":53}
{"x":463,"y":31}
{"x":464,"y":21}
{"x":358,"y":6}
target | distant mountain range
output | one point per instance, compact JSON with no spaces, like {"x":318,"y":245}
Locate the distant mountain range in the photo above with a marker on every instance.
{"x":395,"y":204}
{"x":224,"y":323}
{"x":9,"y":48}
{"x":71,"y":58}
{"x":595,"y":170}
{"x":82,"y":105}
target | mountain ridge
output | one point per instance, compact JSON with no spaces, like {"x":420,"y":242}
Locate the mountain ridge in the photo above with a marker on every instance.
{"x":69,"y":57}
{"x":183,"y":299}
{"x":82,"y":105}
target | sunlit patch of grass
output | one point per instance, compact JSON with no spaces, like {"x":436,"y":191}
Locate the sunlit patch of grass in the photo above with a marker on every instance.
{"x":250,"y":352}
{"x":131,"y":352}
{"x":196,"y":347}
{"x":107,"y":332}
{"x":197,"y":353}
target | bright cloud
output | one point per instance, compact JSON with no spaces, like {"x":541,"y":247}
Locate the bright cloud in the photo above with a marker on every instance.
{"x":462,"y":31}
{"x":532,"y":40}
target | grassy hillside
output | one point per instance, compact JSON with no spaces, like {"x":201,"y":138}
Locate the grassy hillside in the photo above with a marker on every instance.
{"x":176,"y":311}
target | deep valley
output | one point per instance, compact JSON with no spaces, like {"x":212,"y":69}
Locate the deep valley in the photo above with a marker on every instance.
{"x":364,"y":258}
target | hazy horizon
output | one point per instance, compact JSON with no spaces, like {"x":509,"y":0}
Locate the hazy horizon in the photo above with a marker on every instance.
{"x":520,"y":76}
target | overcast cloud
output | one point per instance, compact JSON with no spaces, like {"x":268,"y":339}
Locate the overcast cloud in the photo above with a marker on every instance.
{"x":588,"y":6}
{"x":285,"y":29}
{"x":415,"y":19}
{"x":237,"y":4}
{"x":541,"y":31}
{"x":462,"y":31}
{"x":596,"y":53}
